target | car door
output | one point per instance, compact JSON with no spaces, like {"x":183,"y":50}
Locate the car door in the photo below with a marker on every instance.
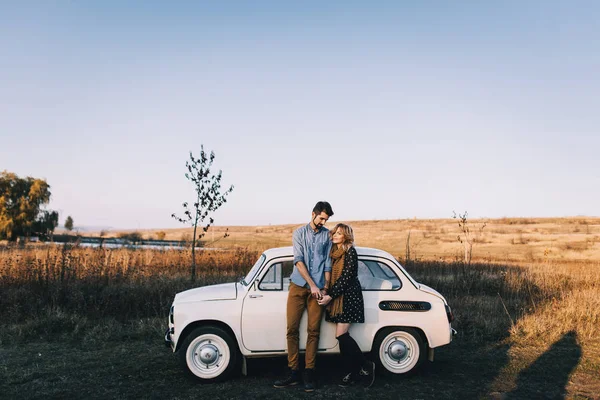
{"x":264,"y":312}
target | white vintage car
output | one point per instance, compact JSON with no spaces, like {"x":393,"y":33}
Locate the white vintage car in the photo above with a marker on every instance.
{"x":215,"y":328}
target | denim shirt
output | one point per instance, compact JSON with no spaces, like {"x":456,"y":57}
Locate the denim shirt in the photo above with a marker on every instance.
{"x":313,"y":249}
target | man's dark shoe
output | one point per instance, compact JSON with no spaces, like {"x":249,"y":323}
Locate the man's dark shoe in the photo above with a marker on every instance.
{"x":367,"y":374}
{"x":347,"y":381}
{"x":309,"y":380}
{"x":291,"y":380}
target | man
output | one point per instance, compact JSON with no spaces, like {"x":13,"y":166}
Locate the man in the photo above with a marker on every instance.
{"x":312,"y":271}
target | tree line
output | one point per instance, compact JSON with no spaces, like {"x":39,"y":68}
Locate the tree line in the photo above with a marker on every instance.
{"x":23,"y":210}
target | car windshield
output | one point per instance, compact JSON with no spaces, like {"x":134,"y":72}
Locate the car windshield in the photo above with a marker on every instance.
{"x":246,"y":281}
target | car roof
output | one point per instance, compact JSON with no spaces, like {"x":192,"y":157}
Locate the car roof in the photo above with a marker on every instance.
{"x":362,"y":251}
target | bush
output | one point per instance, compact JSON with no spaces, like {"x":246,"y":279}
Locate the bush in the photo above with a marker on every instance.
{"x":133,"y":237}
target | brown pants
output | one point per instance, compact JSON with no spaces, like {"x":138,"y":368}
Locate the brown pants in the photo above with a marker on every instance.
{"x":299,"y":299}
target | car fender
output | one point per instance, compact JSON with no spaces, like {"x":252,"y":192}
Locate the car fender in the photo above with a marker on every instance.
{"x":222,"y":312}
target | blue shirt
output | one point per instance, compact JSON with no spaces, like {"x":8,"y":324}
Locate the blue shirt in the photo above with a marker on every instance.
{"x":312,"y":248}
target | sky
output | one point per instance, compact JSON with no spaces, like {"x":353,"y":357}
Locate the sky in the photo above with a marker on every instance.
{"x":386,"y":109}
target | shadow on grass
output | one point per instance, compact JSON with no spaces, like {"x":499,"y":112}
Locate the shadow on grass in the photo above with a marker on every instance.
{"x":549,"y":375}
{"x":486,"y":299}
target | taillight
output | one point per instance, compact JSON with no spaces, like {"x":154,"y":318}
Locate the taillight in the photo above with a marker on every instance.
{"x":449,"y":313}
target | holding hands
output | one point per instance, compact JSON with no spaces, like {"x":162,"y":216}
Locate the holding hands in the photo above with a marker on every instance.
{"x":316,"y":292}
{"x":325,"y":300}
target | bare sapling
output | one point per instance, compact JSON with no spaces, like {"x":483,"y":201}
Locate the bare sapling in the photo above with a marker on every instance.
{"x":468,"y":236}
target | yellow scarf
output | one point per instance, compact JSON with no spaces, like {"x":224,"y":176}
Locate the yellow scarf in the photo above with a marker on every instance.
{"x":337,"y":259}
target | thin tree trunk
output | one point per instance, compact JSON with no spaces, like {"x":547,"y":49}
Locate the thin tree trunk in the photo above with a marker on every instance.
{"x":194,"y":253}
{"x":468,"y":252}
{"x":194,"y":246}
{"x":407,"y":253}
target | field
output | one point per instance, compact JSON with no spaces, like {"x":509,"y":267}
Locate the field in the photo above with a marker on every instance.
{"x":88,"y":323}
{"x":501,"y":240}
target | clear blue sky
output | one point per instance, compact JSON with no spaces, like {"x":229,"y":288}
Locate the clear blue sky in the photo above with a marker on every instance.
{"x":386,"y":109}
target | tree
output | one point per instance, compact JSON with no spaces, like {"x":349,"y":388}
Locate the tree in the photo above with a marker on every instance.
{"x":44,"y":226}
{"x":102,"y":233}
{"x":69,"y":224}
{"x":207,"y":187}
{"x":467,"y":237}
{"x":21,"y":207}
{"x":134,"y":237}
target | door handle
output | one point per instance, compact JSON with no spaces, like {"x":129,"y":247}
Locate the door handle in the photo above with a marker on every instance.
{"x":254,"y":296}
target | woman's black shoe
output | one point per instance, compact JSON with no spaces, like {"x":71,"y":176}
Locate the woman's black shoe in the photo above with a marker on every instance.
{"x":347,"y":381}
{"x":367,"y":374}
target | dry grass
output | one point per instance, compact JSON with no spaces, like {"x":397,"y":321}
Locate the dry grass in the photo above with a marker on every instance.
{"x":573,"y":306}
{"x":66,"y":283}
{"x":504,"y":239}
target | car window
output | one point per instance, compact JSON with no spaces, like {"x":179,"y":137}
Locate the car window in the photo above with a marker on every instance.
{"x":248,"y":279}
{"x":277,"y":276}
{"x":375,"y":275}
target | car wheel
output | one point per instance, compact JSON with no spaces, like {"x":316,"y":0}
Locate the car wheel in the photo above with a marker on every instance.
{"x":209,"y":354}
{"x":399,"y":350}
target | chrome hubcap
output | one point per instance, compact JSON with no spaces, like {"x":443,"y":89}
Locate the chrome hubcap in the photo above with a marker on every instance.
{"x":208,"y":353}
{"x":397,"y":350}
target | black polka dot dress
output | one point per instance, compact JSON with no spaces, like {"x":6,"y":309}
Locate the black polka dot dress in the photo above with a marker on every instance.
{"x":353,"y":308}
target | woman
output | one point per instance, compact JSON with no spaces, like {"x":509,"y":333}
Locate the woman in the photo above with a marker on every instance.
{"x":345,"y":305}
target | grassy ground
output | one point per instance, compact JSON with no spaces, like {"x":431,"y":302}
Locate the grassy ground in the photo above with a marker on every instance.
{"x":144,"y":369}
{"x":88,"y":323}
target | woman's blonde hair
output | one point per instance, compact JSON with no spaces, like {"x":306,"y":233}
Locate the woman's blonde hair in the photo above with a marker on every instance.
{"x":348,"y":240}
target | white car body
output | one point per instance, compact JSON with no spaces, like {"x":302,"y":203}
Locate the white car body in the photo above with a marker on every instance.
{"x":253,"y":314}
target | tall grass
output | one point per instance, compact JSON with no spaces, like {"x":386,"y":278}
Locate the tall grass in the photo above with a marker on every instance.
{"x":525,"y":302}
{"x":123,"y":284}
{"x":60,"y":291}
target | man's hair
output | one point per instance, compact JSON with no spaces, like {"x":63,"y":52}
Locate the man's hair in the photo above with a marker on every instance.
{"x":323,"y":206}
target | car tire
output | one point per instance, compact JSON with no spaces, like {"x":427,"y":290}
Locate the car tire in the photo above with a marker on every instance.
{"x":210,"y":354}
{"x":399,"y":350}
